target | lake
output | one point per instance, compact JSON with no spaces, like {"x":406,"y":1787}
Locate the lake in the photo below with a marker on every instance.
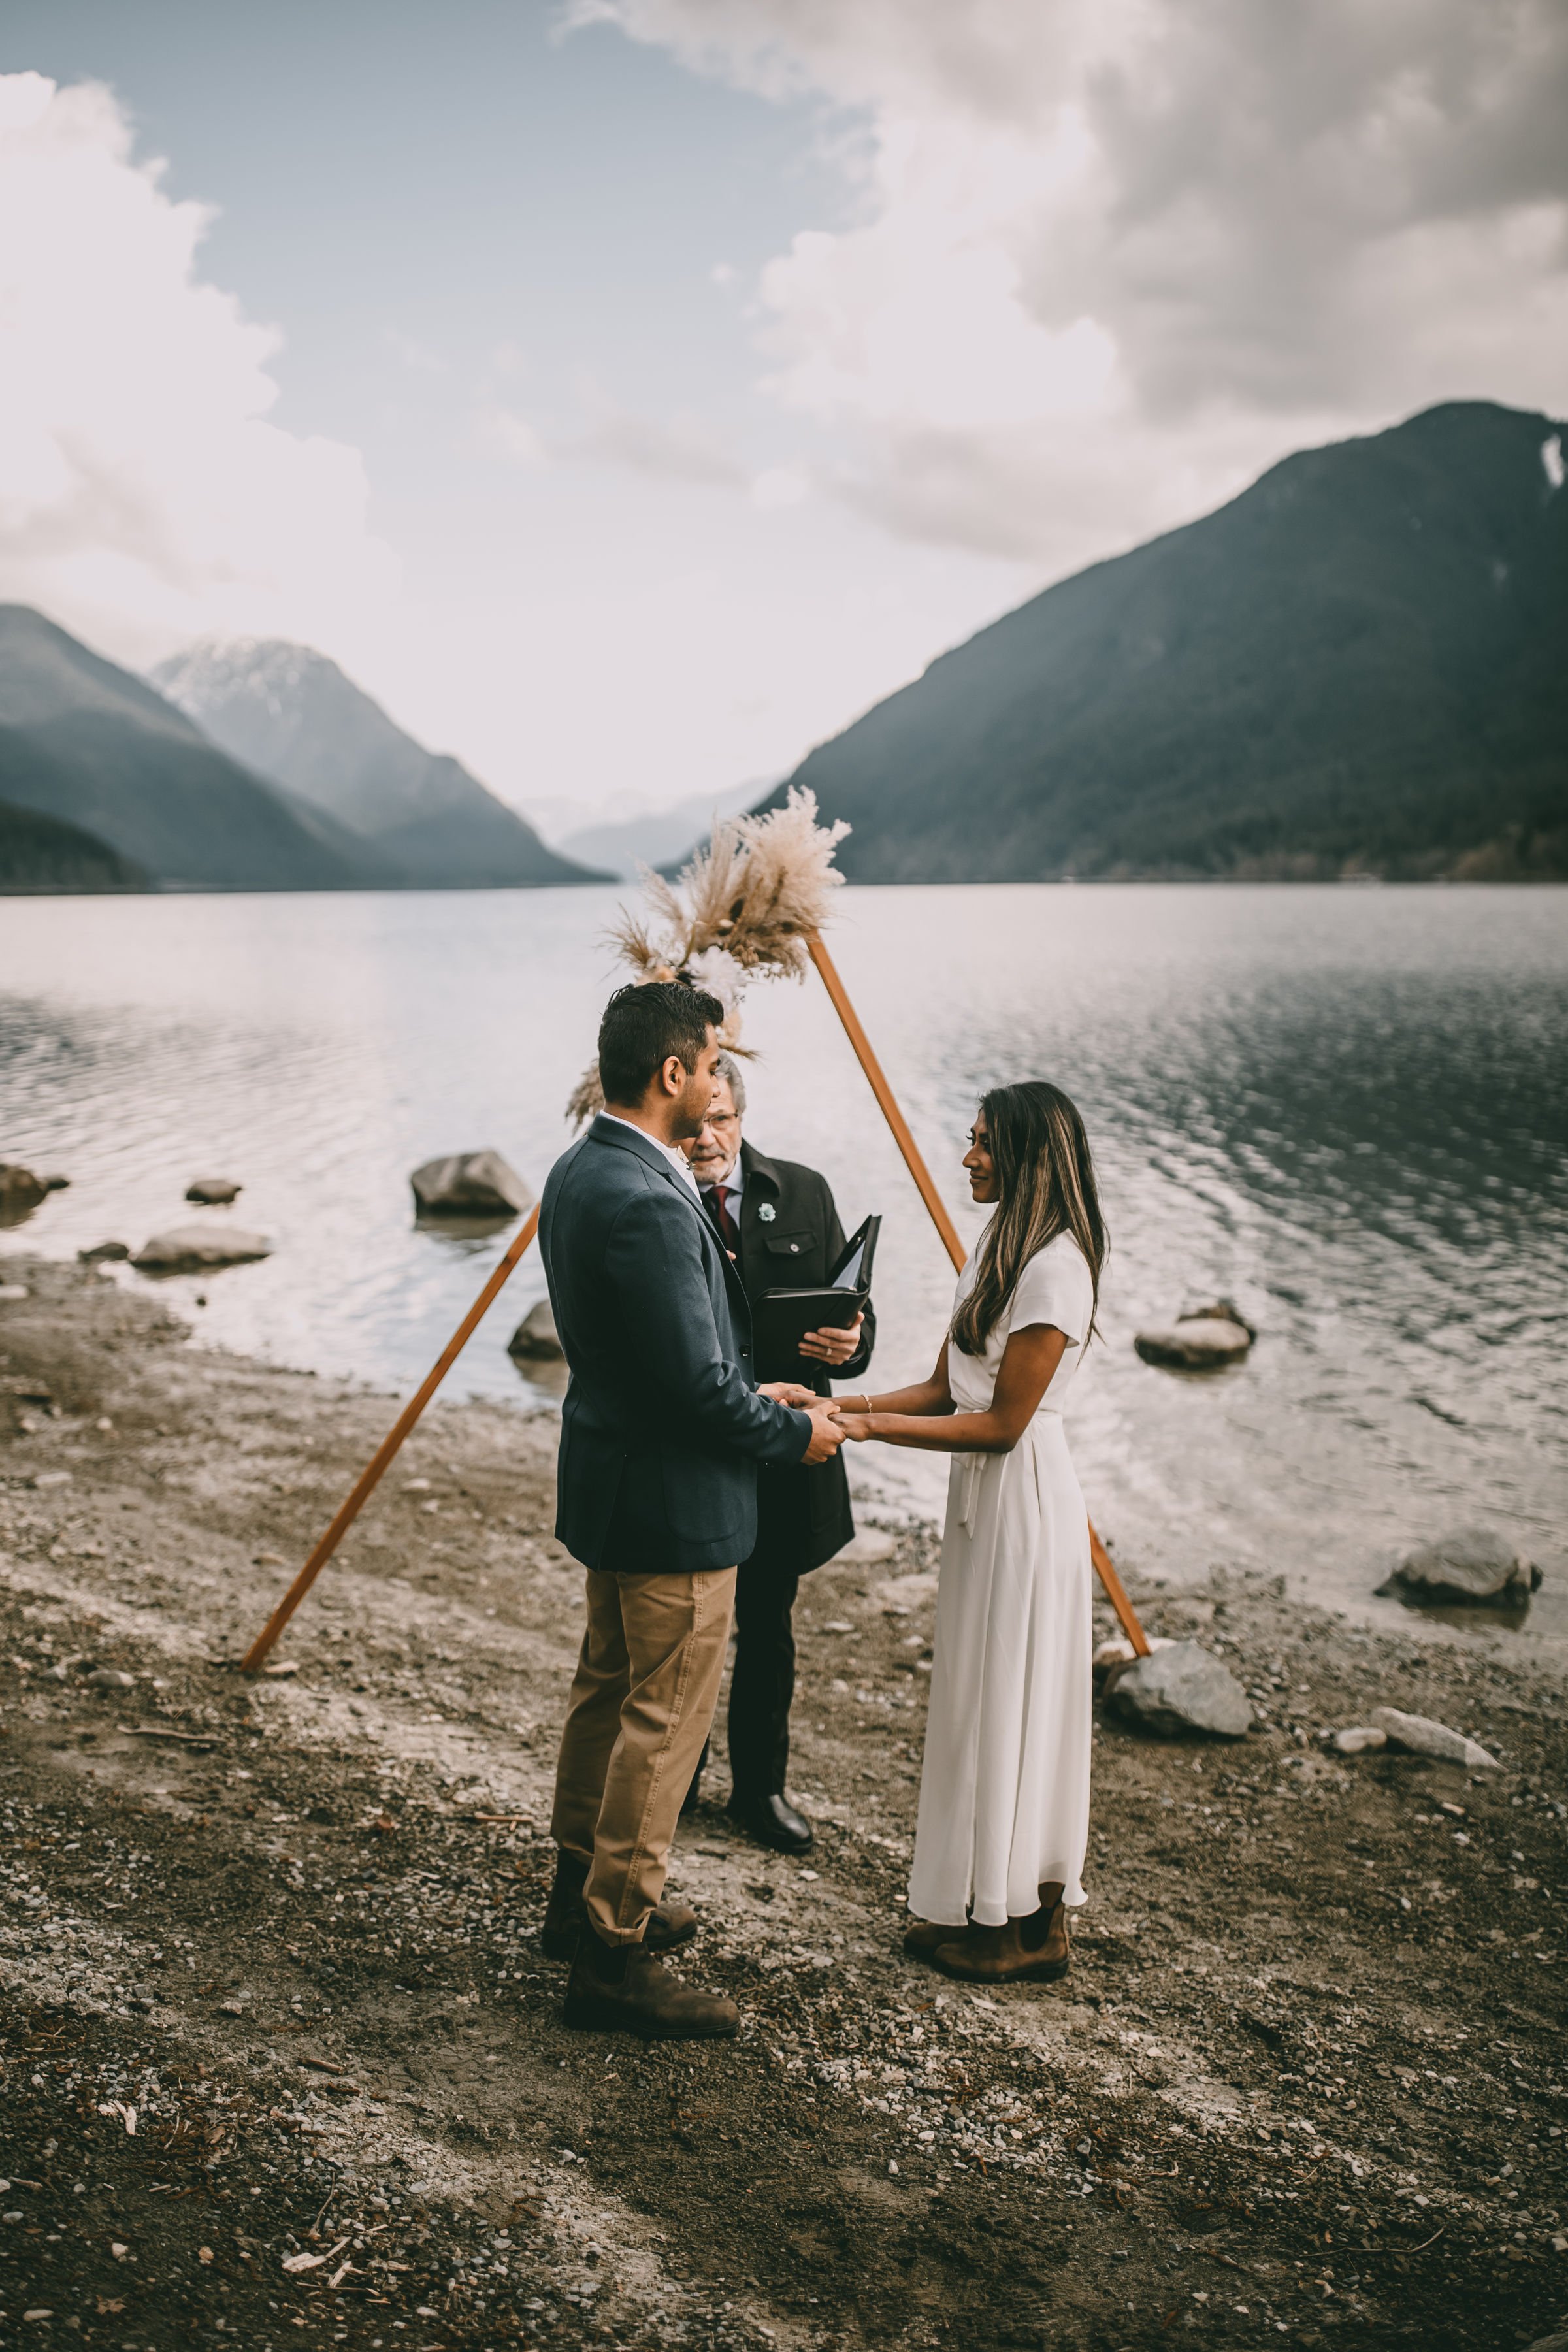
{"x":1346,"y":1110}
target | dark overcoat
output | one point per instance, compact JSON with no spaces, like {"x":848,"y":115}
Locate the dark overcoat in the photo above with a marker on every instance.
{"x":662,"y":1431}
{"x":803,"y":1516}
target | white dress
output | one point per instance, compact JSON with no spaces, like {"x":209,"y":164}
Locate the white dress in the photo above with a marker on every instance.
{"x":1004,"y":1803}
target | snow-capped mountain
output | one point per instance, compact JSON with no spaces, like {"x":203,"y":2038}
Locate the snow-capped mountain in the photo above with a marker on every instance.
{"x":293,"y":714}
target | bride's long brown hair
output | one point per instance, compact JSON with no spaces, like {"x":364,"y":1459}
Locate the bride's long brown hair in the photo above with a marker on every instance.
{"x":1044,"y":1175}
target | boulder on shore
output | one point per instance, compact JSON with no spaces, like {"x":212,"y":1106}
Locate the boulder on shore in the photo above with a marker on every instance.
{"x":1422,"y":1737}
{"x":1181,"y":1689}
{"x":1469,"y":1564}
{"x":1201,"y":1341}
{"x":213,"y":1192}
{"x":471,"y":1183}
{"x":1112,"y":1658}
{"x":102,"y":1253}
{"x":536,"y":1335}
{"x":193,"y":1249}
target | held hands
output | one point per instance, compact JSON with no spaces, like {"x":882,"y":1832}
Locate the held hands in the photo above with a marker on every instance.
{"x":826,"y":1434}
{"x":789,"y":1393}
{"x":833,"y":1346}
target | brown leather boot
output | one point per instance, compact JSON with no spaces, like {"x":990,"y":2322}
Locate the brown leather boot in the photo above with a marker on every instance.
{"x":626,"y":1989}
{"x":922,"y":1938}
{"x":1025,"y":1951}
{"x":669,"y":1926}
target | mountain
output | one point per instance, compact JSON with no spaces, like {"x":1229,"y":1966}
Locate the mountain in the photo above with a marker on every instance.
{"x":656,"y":837}
{"x":91,"y":745}
{"x":41,"y":854}
{"x":295,"y":717}
{"x":1357,"y":665}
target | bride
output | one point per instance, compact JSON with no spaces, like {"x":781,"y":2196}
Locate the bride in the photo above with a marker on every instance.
{"x":1003,"y":1806}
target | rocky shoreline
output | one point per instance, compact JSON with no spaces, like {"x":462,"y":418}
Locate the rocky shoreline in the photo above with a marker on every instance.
{"x":282,"y":2062}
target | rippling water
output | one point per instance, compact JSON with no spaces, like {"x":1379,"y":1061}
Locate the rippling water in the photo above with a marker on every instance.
{"x":1346,"y":1110}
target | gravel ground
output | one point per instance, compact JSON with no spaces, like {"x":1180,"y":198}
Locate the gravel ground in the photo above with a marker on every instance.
{"x":281,"y":2062}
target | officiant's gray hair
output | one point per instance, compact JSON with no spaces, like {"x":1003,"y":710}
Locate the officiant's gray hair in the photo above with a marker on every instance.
{"x":729,"y":1069}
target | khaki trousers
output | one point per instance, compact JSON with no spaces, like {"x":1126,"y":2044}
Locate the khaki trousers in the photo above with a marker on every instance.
{"x":641,"y":1708}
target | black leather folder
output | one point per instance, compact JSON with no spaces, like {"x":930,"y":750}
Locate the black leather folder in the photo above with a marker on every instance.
{"x":783,"y":1318}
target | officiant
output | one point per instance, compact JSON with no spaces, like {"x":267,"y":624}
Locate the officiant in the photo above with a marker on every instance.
{"x":779,"y":1223}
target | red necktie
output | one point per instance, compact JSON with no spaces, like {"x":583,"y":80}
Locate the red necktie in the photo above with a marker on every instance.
{"x":729,"y":1232}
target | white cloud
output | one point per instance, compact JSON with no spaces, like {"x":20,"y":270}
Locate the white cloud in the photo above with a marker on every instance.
{"x":1105,"y":258}
{"x":144,"y":495}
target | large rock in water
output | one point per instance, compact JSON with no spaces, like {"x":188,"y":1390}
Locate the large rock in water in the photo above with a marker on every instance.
{"x":536,"y":1335}
{"x":471,"y":1183}
{"x":192,"y":1249}
{"x":214,"y":1192}
{"x":20,"y":1190}
{"x":1203,"y":1342}
{"x":1182,"y":1689}
{"x":1422,"y":1737}
{"x":1470,"y":1564}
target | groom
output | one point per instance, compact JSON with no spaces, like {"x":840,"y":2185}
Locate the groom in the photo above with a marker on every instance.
{"x":662,"y":1433}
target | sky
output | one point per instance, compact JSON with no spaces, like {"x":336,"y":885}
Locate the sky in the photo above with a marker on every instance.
{"x":629,"y":393}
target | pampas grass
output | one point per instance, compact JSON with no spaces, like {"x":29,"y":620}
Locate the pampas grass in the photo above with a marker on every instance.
{"x":744,"y":908}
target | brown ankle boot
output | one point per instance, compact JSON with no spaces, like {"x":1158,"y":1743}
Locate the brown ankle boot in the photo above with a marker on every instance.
{"x":1025,"y":1951}
{"x":626,"y":1989}
{"x":670,"y":1925}
{"x":923,"y":1936}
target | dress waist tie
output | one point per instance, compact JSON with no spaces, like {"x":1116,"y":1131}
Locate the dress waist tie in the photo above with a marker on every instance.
{"x":973,"y":1468}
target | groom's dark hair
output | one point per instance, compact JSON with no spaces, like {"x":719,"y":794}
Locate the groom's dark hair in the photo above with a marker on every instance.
{"x":643,"y":1026}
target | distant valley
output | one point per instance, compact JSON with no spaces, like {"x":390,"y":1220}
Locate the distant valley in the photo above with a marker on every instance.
{"x":107,"y":783}
{"x":292,"y":716}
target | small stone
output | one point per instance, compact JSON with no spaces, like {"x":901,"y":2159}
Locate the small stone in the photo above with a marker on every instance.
{"x":192,"y":1249}
{"x":13,"y":1292}
{"x":1360,"y":1739}
{"x":213,"y":1192}
{"x":104,"y":1253}
{"x":269,"y":1560}
{"x":1422,"y":1737}
{"x":471,"y":1183}
{"x":110,"y":1678}
{"x":1469,"y":1564}
{"x":53,"y":1478}
{"x":536,"y":1334}
{"x":1182,"y":1688}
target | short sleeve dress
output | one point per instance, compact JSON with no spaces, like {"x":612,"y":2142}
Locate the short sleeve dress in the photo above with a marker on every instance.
{"x":1003,"y":1805}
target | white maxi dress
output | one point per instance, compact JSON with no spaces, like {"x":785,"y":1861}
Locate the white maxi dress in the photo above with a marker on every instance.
{"x":1003,"y":1806}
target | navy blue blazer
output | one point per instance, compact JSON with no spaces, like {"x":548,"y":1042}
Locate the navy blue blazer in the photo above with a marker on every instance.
{"x":662,"y":1430}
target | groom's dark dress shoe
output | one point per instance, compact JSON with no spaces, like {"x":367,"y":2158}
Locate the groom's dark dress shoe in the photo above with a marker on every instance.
{"x":771,"y":1821}
{"x":670,"y":1925}
{"x":626,"y":1989}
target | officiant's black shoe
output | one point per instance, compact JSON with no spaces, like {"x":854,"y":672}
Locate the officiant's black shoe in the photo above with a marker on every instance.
{"x":626,"y":1989}
{"x":772,"y":1821}
{"x":669,"y":1926}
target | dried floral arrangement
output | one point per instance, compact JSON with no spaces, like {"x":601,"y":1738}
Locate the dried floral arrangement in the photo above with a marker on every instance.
{"x":742,"y":908}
